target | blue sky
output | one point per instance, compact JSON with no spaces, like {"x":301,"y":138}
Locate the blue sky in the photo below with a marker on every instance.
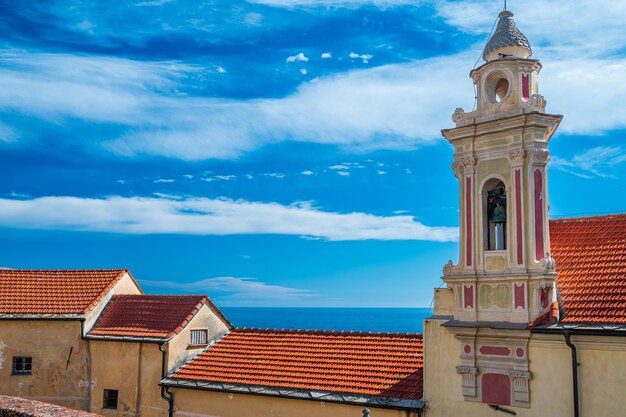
{"x":278,"y":152}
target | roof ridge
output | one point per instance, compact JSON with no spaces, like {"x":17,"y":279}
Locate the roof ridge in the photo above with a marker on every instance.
{"x":589,"y":218}
{"x":163,"y":295}
{"x":67,"y":270}
{"x":326,"y":332}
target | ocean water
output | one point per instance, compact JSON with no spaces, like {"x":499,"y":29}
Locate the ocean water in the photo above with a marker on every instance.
{"x":403,"y":320}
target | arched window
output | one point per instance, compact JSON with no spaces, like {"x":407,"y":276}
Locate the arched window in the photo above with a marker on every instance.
{"x":494,"y":207}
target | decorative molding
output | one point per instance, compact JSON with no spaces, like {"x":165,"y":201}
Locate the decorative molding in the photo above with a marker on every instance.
{"x":466,"y":370}
{"x":456,"y":167}
{"x":458,"y":116}
{"x":517,"y":157}
{"x":469,"y":164}
{"x":539,"y":156}
{"x":469,"y":380}
{"x":448,"y":268}
{"x":521,"y":392}
{"x":548,"y":262}
{"x":537,"y":100}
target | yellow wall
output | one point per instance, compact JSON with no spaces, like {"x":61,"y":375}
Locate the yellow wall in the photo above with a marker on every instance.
{"x":179,"y":353}
{"x":197,"y":403}
{"x":134,"y":369}
{"x":49,"y":343}
{"x":602,"y":376}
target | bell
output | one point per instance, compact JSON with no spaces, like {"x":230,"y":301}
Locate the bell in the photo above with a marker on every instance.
{"x":499,"y":214}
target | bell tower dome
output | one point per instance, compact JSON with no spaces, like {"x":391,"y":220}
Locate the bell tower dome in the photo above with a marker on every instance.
{"x":505,"y":277}
{"x":507,"y":40}
{"x":507,"y":84}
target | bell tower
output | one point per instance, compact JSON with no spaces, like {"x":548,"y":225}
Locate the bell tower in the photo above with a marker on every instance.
{"x":504,"y":278}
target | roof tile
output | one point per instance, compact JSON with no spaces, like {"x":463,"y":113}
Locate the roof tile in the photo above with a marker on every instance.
{"x":374,"y":364}
{"x":153,"y":316}
{"x":590,"y":254}
{"x":54,"y":291}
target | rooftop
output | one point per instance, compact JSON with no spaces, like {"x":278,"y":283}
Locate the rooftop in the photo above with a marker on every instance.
{"x":60,"y":292}
{"x":147,"y":316}
{"x":590,"y":254}
{"x":368,"y":364}
{"x":21,"y":407}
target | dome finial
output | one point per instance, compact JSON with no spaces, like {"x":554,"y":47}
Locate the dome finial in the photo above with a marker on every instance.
{"x":507,"y":40}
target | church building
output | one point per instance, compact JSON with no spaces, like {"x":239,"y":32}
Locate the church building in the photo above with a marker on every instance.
{"x":531,"y":320}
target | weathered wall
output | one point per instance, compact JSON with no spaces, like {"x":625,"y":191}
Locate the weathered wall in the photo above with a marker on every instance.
{"x":54,"y":379}
{"x":602,"y":376}
{"x":134,"y":369}
{"x":196,"y":403}
{"x":178,"y":348}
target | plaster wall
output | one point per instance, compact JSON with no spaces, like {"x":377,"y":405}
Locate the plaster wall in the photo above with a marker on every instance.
{"x":57,"y":377}
{"x":134,"y":369}
{"x":179,"y":350}
{"x":602,"y":376}
{"x":198,"y":403}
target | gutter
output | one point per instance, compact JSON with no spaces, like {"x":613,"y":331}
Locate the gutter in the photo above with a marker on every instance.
{"x":166,"y":394}
{"x":574,"y":371}
{"x":352,"y":399}
{"x":567,"y":333}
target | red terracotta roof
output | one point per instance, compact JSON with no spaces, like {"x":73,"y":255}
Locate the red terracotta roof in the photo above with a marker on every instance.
{"x":371,"y":364}
{"x":590,"y":254}
{"x":71,"y":292}
{"x":152,"y":316}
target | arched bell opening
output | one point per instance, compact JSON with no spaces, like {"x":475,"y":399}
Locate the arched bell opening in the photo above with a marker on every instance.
{"x":494,"y":215}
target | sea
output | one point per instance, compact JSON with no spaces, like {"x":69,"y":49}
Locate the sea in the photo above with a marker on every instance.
{"x":395,"y":320}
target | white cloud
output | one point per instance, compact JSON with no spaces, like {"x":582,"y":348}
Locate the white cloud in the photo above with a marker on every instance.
{"x":594,"y":162}
{"x":153,"y":3}
{"x":343,"y":173}
{"x":221,"y":70}
{"x":579,"y":28}
{"x":366,"y":58}
{"x":226,"y":177}
{"x":86,"y":26}
{"x":234,"y":289}
{"x":203,"y":216}
{"x":7,"y":133}
{"x":339,"y":166}
{"x":300,"y":57}
{"x":326,"y":55}
{"x":399,"y":106}
{"x":303,"y":71}
{"x":164,"y":180}
{"x":188,"y":176}
{"x":307,"y":172}
{"x":278,"y":175}
{"x":381,"y":172}
{"x":335,"y":3}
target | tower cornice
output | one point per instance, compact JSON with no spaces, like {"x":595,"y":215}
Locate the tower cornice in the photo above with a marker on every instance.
{"x":550,"y":122}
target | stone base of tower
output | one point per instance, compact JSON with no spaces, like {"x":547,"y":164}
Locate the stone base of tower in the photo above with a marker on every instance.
{"x":549,"y":387}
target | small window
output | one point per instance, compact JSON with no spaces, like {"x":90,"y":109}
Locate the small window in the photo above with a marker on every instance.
{"x":22,"y":365}
{"x":110,"y":399}
{"x":199,"y":337}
